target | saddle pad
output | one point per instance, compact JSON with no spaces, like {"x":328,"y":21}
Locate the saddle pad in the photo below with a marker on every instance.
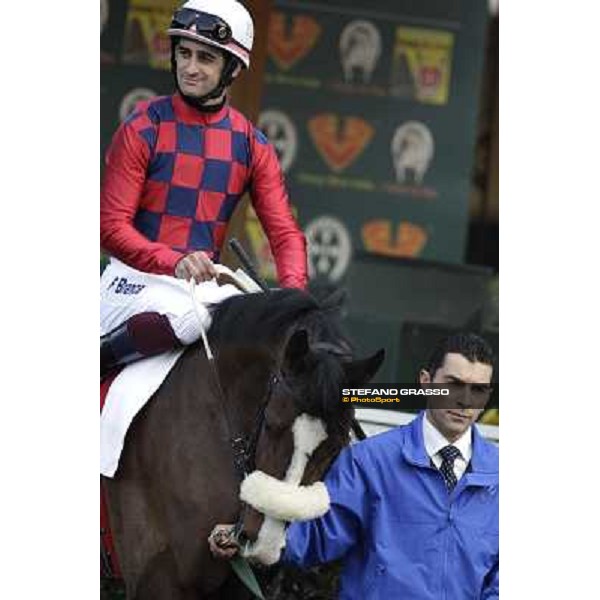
{"x":128,"y":394}
{"x":137,"y":382}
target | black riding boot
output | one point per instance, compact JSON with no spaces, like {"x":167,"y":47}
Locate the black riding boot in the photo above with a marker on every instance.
{"x":140,"y":336}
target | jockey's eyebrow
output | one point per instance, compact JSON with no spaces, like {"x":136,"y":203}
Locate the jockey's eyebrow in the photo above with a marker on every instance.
{"x":207,"y":55}
{"x":203,"y":53}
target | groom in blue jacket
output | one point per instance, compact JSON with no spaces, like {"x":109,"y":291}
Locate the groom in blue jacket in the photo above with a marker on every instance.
{"x":414,"y":511}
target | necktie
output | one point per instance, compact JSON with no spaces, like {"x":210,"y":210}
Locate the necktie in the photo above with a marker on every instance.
{"x":449,"y":454}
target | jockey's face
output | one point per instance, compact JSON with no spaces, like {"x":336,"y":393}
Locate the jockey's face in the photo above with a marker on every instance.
{"x":199,"y":67}
{"x":469,"y":392}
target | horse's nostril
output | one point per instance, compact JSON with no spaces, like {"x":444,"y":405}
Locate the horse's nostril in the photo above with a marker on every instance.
{"x":242,"y":538}
{"x":245,"y":538}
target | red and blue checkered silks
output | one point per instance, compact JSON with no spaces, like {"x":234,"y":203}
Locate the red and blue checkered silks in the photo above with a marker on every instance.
{"x":173,"y":178}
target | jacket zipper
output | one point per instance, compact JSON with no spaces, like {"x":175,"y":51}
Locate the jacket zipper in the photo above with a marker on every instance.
{"x":446,"y":544}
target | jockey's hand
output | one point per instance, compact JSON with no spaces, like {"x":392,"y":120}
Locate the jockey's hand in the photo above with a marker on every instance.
{"x":196,"y":266}
{"x":221,"y":542}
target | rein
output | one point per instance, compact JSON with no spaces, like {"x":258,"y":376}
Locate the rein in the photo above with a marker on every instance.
{"x":244,"y":450}
{"x":258,"y":424}
{"x":244,"y":458}
{"x":243,"y":447}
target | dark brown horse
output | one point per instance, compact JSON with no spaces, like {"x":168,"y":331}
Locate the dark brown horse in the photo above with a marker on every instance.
{"x":278,"y":356}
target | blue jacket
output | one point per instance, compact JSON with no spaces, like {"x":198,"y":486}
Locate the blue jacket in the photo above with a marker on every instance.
{"x":402,"y":536}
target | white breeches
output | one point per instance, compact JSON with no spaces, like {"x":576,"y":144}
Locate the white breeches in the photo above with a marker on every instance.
{"x":125,"y":292}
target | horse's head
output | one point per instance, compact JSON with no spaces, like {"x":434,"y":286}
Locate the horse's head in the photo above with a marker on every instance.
{"x":297,"y":363}
{"x":303,"y":427}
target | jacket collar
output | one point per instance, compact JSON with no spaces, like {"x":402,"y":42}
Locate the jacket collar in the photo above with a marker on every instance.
{"x":484,"y":459}
{"x":485,"y":455}
{"x":187,"y":114}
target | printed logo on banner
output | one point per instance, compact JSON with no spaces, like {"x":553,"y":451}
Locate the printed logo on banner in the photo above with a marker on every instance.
{"x":329,"y":248}
{"x":280,"y":130}
{"x":146,"y":40}
{"x":287,"y":47}
{"x":360,"y":48}
{"x":340,"y":141}
{"x":421,"y":65}
{"x":103,"y":14}
{"x":412,"y":152}
{"x":410,"y":239}
{"x":132,"y":98}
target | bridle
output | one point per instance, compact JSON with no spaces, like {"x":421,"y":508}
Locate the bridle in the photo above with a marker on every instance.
{"x":244,"y":447}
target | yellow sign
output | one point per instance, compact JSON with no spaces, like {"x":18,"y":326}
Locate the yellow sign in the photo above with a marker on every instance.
{"x":422,"y":61}
{"x":146,"y":40}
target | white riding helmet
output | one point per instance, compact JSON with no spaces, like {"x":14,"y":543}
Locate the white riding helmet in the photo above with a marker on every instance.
{"x":226,"y":24}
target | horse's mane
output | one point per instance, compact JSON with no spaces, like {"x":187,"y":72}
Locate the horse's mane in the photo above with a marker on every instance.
{"x":266,"y":318}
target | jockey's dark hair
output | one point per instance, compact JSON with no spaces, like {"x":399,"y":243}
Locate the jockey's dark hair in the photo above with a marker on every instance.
{"x":473,"y":347}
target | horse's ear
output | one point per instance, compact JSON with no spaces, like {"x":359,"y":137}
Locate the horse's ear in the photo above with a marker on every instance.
{"x":296,"y":349}
{"x":359,"y":372}
{"x":335,"y":301}
{"x":331,"y":299}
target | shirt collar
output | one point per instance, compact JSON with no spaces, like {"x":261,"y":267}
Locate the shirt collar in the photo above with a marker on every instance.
{"x":187,"y":114}
{"x":435,"y":441}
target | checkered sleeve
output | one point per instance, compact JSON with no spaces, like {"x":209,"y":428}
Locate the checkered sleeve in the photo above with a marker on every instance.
{"x":271,"y":203}
{"x":124,"y":177}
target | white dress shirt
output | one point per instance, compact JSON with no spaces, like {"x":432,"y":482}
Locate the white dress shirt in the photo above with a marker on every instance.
{"x":435,"y":441}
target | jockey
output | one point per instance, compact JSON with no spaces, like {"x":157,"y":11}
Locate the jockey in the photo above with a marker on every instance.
{"x":175,"y":171}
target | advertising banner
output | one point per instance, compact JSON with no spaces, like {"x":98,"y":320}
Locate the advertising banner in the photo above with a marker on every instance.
{"x":372,"y":107}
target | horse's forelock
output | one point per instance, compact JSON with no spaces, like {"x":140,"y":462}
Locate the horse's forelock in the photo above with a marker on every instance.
{"x":321,"y":396}
{"x":325,"y":383}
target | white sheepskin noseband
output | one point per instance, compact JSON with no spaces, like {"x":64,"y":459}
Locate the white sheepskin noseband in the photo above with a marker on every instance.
{"x":286,"y":500}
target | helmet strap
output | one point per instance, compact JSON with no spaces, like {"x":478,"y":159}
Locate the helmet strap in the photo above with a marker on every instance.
{"x":199,"y":102}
